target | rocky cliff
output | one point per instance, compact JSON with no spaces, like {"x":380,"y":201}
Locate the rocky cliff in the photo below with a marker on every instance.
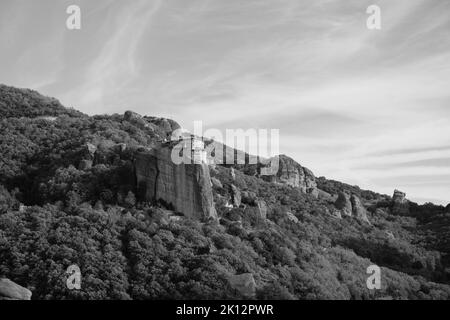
{"x":293,"y":174}
{"x":351,"y":206}
{"x":400,"y":205}
{"x":12,"y":291}
{"x":186,"y":188}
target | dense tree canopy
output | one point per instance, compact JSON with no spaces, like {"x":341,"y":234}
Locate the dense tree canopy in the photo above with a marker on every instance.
{"x":61,"y":204}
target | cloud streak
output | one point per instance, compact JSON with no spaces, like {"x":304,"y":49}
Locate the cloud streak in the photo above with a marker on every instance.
{"x":364,"y":107}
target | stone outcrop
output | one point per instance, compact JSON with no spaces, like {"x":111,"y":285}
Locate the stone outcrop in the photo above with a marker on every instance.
{"x":351,"y":206}
{"x":262,"y":209}
{"x":165,"y":126}
{"x":233,"y":174}
{"x":131,"y":116}
{"x":244,"y":284}
{"x":314,"y":192}
{"x":161,"y":126}
{"x":344,"y":204}
{"x":236,"y":194}
{"x":336,"y":214}
{"x":399,"y":196}
{"x":185,"y":188}
{"x":325,"y":196}
{"x":358,"y":209}
{"x":88,"y":156}
{"x":293,"y":174}
{"x":291,"y":217}
{"x":90,"y":151}
{"x":400,"y":205}
{"x":12,"y":291}
{"x":216,"y":183}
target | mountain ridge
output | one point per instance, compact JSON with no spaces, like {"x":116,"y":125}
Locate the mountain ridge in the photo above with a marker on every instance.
{"x":69,"y":195}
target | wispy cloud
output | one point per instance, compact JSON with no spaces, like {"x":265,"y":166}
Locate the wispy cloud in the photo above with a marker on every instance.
{"x":365,"y":107}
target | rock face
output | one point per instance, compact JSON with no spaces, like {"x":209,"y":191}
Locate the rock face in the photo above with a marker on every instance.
{"x":161,"y":126}
{"x":351,"y":206}
{"x":237,"y":198}
{"x":216,"y":183}
{"x":399,"y":196}
{"x":131,"y":116}
{"x":344,"y":204}
{"x":90,"y":151}
{"x":262,"y":208}
{"x":88,"y":156}
{"x":244,"y":284}
{"x":325,"y":196}
{"x":400,"y":205}
{"x":186,"y":188}
{"x":233,"y":174}
{"x":12,"y":291}
{"x":166,"y":126}
{"x":336,"y":214}
{"x":358,"y":209}
{"x":291,"y":217}
{"x":293,"y":174}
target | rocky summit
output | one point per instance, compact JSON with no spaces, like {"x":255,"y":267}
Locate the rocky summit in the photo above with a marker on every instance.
{"x":293,"y":174}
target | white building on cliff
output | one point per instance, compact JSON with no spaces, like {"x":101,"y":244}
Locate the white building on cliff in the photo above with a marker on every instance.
{"x":198,"y":152}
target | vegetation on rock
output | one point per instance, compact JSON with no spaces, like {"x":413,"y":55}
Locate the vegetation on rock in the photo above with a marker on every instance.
{"x":68,"y":196}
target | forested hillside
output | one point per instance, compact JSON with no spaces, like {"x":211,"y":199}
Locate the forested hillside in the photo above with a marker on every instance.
{"x":68,"y":196}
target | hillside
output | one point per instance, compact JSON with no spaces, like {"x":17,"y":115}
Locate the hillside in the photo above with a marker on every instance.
{"x":69,"y":195}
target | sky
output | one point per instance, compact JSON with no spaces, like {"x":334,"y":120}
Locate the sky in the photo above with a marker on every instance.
{"x":366,"y":107}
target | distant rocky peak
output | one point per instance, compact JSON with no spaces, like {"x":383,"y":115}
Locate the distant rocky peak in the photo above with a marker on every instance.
{"x":400,"y":205}
{"x":399,"y":196}
{"x":293,"y":174}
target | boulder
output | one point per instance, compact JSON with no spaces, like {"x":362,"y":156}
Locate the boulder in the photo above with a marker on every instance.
{"x":236,"y":194}
{"x":325,"y":195}
{"x":291,"y":217}
{"x":185,"y":188}
{"x":244,"y":284}
{"x":137,"y":120}
{"x":400,"y":205}
{"x":131,"y":116}
{"x":344,"y":204}
{"x":358,"y":209}
{"x":216,"y":183}
{"x":12,"y":291}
